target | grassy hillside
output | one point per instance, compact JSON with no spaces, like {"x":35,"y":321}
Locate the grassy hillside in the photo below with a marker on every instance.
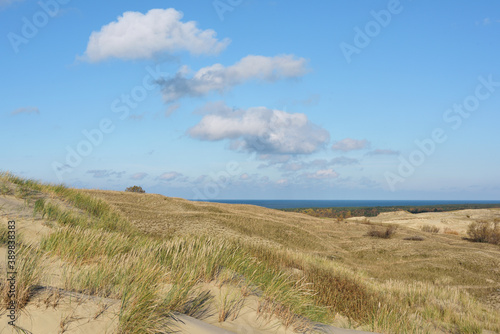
{"x":154,"y":253}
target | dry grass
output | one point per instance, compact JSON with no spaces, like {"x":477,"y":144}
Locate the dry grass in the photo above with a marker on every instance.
{"x":303,"y":267}
{"x":29,"y":269}
{"x":430,"y":228}
{"x":168,"y":217}
{"x":450,"y":231}
{"x":230,"y":303}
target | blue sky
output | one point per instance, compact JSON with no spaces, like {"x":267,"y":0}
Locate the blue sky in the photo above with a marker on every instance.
{"x":242,"y":99}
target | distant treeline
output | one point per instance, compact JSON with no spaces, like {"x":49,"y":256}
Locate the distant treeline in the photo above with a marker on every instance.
{"x":346,"y":212}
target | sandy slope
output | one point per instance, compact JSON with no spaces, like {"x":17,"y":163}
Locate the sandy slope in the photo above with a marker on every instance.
{"x":54,"y":310}
{"x":51,"y":309}
{"x":50,"y":313}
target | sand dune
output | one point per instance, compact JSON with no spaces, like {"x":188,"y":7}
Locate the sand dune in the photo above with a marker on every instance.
{"x":451,"y":220}
{"x":55,"y":310}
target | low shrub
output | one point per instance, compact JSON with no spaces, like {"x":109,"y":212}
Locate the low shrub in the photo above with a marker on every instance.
{"x":384,"y":234}
{"x":430,"y":229}
{"x":415,"y":238}
{"x":483,"y":231}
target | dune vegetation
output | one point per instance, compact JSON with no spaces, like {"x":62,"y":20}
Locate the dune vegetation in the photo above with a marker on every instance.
{"x":155,"y":254}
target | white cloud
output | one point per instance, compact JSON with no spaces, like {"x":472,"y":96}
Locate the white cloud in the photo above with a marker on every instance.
{"x":103,"y":173}
{"x":322,"y":174}
{"x":138,"y":176}
{"x":318,"y":163}
{"x":311,"y":100}
{"x":349,"y":144}
{"x":137,"y":36}
{"x":383,"y":152}
{"x":169,"y":176}
{"x":27,"y":110}
{"x":261,"y":130}
{"x":171,"y":109}
{"x":282,"y":182}
{"x":220,"y":78}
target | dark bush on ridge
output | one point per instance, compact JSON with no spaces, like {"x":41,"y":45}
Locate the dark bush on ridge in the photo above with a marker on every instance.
{"x":135,"y":189}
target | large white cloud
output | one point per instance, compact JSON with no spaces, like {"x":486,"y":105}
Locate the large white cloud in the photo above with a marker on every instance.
{"x":261,"y":130}
{"x":220,"y":78}
{"x":136,"y":36}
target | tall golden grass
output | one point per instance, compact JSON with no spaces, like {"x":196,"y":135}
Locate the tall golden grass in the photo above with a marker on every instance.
{"x":155,"y":276}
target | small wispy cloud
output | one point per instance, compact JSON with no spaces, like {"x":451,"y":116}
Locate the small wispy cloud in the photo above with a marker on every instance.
{"x":282,"y":182}
{"x":322,"y":174}
{"x":103,"y":173}
{"x":5,"y":3}
{"x":138,"y":176}
{"x":383,"y":152}
{"x":486,"y":21}
{"x":310,"y":101}
{"x":25,"y":110}
{"x":170,"y":176}
{"x":296,"y":165}
{"x":349,"y":144}
{"x":171,"y":109}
